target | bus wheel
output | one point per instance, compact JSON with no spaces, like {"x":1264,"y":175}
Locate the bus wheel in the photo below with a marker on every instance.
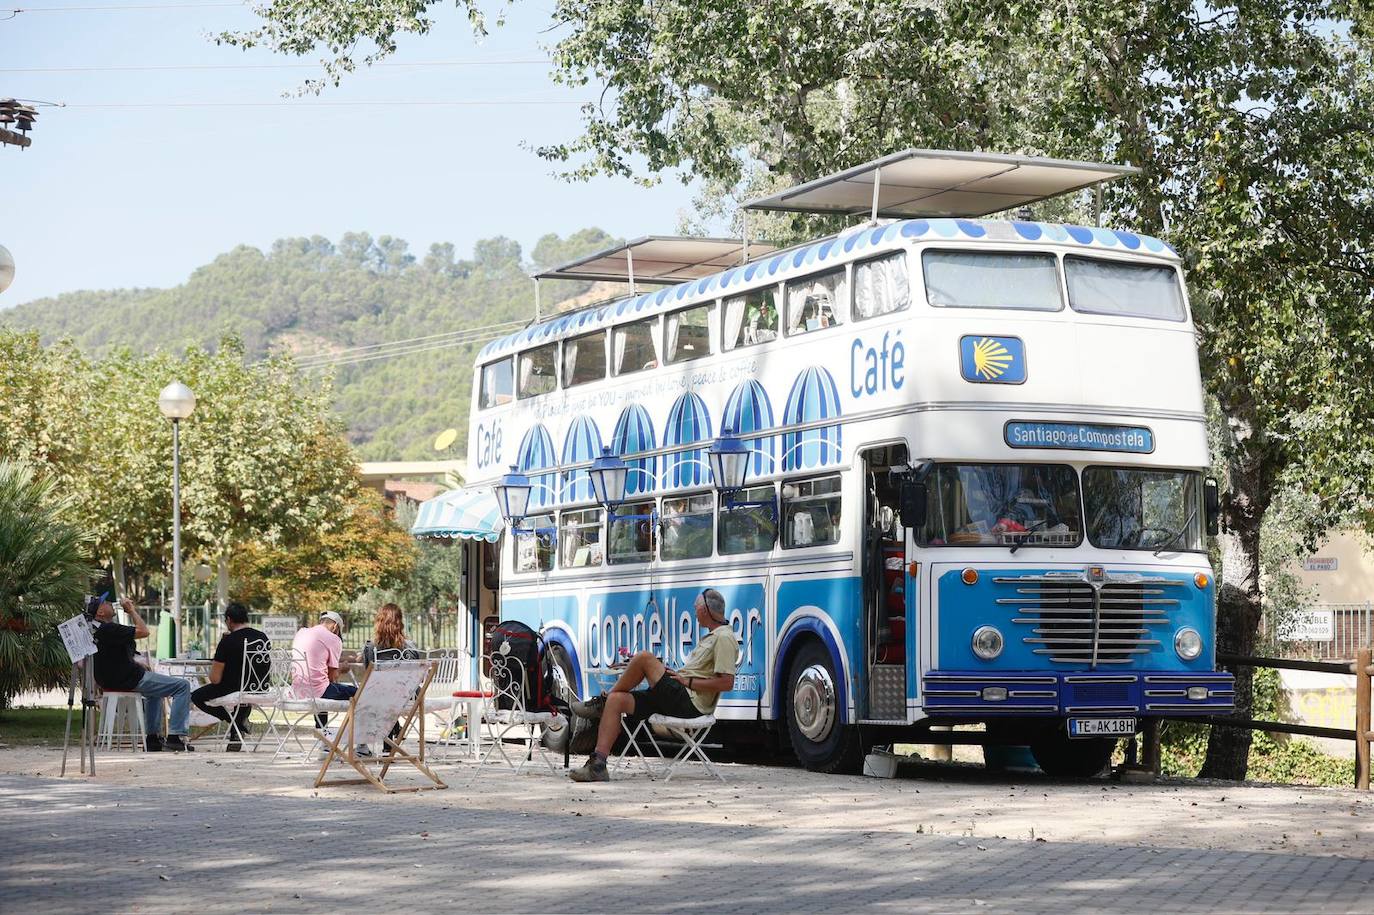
{"x":1057,"y":755}
{"x":819,"y":739}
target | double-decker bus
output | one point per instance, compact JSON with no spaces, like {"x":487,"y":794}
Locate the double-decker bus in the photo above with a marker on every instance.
{"x":976,"y":485}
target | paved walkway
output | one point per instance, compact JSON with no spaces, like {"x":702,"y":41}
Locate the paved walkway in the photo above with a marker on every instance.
{"x":76,"y":846}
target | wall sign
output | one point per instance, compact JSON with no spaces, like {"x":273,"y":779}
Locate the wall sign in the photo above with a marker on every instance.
{"x":1078,"y":436}
{"x":1320,"y":564}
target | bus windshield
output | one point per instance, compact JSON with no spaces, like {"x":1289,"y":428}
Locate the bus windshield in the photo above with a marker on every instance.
{"x":1132,"y":509}
{"x":1002,"y":505}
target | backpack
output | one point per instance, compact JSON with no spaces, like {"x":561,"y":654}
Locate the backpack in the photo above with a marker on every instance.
{"x":527,"y":649}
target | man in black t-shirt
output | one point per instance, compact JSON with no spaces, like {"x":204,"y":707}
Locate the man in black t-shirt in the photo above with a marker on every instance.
{"x":226,"y":673}
{"x":116,"y":669}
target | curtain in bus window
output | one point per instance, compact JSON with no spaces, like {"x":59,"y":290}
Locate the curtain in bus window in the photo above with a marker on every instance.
{"x":751,"y":318}
{"x":973,"y":279}
{"x":674,"y":325}
{"x":813,"y":302}
{"x":634,"y":347}
{"x":1118,"y":288}
{"x":733,"y":317}
{"x":881,"y":287}
{"x":569,"y":363}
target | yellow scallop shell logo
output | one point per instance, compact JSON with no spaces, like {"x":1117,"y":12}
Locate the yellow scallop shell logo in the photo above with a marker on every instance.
{"x":990,"y":359}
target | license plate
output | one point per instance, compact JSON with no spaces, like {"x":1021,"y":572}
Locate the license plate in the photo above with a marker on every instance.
{"x":1101,"y":727}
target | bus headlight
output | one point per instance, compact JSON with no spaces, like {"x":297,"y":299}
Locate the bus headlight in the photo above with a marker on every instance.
{"x":987,"y":642}
{"x":1188,"y":644}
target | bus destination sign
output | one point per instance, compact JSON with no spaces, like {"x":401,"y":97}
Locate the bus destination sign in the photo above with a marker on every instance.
{"x":1079,"y":436}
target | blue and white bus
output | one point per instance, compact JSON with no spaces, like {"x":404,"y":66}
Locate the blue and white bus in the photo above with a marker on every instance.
{"x":976,"y":487}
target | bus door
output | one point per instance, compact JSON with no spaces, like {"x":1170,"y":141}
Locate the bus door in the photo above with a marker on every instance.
{"x":883,"y":572}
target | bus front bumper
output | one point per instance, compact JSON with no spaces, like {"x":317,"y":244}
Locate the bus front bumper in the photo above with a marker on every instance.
{"x":977,"y":694}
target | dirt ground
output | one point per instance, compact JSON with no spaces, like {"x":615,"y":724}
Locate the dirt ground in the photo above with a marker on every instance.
{"x":940,"y":799}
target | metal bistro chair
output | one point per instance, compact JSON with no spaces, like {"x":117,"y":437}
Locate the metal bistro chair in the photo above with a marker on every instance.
{"x":506,"y":719}
{"x":257,"y":687}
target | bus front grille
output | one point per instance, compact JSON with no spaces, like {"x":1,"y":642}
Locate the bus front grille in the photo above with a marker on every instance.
{"x":1073,"y":622}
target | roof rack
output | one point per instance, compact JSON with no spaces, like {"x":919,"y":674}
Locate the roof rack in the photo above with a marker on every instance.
{"x":934,"y":182}
{"x":659,"y":259}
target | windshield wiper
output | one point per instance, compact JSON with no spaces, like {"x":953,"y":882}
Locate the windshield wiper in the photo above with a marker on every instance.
{"x":1027,"y":532}
{"x":1176,"y":534}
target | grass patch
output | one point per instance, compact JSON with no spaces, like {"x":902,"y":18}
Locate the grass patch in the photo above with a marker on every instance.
{"x":37,"y":725}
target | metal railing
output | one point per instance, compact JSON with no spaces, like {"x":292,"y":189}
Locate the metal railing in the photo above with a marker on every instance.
{"x":1362,"y":668}
{"x":1352,"y":628}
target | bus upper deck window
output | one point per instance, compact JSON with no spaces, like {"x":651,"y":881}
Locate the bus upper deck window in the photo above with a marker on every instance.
{"x":688,"y":334}
{"x":979,"y":279}
{"x":1112,"y":287}
{"x":687,"y":526}
{"x":881,"y":287}
{"x":813,"y":302}
{"x":633,"y":348}
{"x":751,"y":318}
{"x":632,"y":533}
{"x":584,"y":359}
{"x":539,"y":370}
{"x":498,"y":384}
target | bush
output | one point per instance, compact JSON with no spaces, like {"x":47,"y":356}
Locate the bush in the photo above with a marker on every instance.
{"x":43,"y":577}
{"x":1273,"y":757}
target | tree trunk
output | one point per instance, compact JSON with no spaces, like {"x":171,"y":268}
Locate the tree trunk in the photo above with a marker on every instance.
{"x":1238,"y":608}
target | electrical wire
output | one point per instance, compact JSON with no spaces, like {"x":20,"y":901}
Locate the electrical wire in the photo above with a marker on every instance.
{"x":373,"y":103}
{"x":120,"y":8}
{"x":314,"y":66}
{"x":390,"y":349}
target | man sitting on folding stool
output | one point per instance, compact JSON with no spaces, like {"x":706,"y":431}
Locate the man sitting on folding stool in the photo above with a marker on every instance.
{"x":689,"y":692}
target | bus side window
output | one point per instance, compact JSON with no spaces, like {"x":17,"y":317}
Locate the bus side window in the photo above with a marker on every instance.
{"x":688,"y":334}
{"x":751,"y":525}
{"x":811,"y":512}
{"x":498,"y":384}
{"x":539,"y":370}
{"x":750,"y":318}
{"x":881,"y":286}
{"x":687,"y":524}
{"x":534,"y":544}
{"x":633,"y":347}
{"x":812,"y":301}
{"x":579,"y":539}
{"x":584,"y":359}
{"x":632,"y":533}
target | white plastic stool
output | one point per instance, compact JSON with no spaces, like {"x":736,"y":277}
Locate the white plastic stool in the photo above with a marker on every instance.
{"x":121,"y":721}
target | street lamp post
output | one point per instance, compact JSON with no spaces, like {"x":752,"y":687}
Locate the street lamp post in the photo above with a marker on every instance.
{"x":176,"y":402}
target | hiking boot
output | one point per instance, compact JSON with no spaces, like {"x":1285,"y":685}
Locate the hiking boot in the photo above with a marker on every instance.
{"x":175,"y":743}
{"x":363,"y":749}
{"x":152,"y":743}
{"x":593,"y":770}
{"x":590,"y":708}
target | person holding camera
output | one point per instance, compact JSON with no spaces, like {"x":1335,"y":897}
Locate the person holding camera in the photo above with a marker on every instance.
{"x":117,"y":671}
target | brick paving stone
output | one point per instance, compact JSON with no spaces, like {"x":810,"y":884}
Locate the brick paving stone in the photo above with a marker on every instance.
{"x":71,"y":846}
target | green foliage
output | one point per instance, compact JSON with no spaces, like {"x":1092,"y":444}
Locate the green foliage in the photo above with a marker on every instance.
{"x":1273,"y":757}
{"x":304,"y":296}
{"x":431,"y":591}
{"x":364,"y":550}
{"x":367,"y":29}
{"x":43,"y":577}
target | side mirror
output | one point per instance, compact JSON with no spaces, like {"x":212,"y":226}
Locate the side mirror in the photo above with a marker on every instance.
{"x":1211,"y":506}
{"x":913,"y":504}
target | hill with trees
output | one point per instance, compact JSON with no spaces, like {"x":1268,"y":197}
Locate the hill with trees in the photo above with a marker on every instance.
{"x":316,"y":298}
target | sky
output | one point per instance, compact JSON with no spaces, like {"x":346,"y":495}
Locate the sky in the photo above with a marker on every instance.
{"x":110,"y":196}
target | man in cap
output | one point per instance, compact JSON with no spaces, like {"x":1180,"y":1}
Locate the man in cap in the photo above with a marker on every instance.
{"x":117,"y":671}
{"x":689,"y":692}
{"x":321,"y":645}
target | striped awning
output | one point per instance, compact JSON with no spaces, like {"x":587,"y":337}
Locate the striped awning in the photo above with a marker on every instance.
{"x":469,"y":514}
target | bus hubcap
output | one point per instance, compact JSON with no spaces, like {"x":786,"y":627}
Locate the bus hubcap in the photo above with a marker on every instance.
{"x":813,"y":703}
